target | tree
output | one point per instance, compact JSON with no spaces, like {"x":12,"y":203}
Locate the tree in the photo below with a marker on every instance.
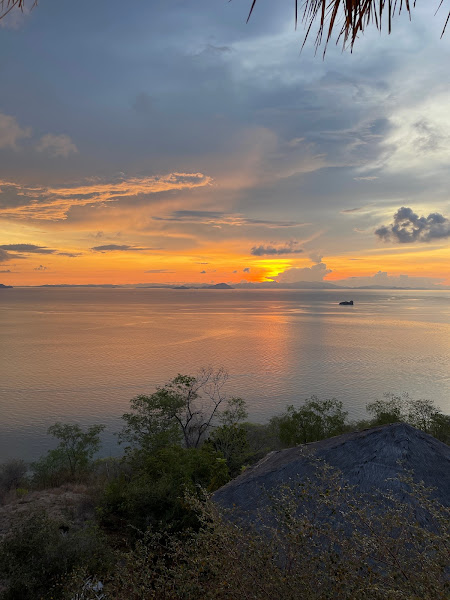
{"x":183,"y":410}
{"x":422,"y":414}
{"x":230,"y":438}
{"x":71,"y":457}
{"x":315,"y":420}
{"x":355,"y":16}
{"x":153,"y":491}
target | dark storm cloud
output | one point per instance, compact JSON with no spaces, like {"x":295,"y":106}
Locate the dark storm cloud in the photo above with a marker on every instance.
{"x":120,"y":248}
{"x":270,"y":249}
{"x":28,"y":248}
{"x":408,"y":227}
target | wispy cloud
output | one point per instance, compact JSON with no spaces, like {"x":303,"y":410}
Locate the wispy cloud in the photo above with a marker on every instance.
{"x":120,"y":248}
{"x":28,"y":248}
{"x":56,"y":145}
{"x":53,"y":203}
{"x":291,"y":247}
{"x":11,"y":132}
{"x":214,"y":218}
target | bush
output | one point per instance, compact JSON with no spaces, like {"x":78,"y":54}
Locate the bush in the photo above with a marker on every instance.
{"x":71,"y":460}
{"x":152,"y":493}
{"x":12,"y":475}
{"x":315,"y":420}
{"x":38,"y":554}
{"x":422,"y":414}
{"x":321,"y":541}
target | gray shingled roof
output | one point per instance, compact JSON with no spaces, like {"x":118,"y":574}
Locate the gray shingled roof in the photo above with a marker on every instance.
{"x":367,"y":459}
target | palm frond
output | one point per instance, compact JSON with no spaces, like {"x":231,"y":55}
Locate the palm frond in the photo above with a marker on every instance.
{"x":349,"y":17}
{"x":6,"y":6}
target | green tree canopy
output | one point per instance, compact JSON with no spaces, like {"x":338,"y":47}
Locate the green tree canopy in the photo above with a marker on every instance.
{"x":182,"y":411}
{"x":71,"y":458}
{"x":315,"y":420}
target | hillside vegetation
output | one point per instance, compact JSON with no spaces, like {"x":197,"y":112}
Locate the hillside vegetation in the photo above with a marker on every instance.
{"x":143,"y":526}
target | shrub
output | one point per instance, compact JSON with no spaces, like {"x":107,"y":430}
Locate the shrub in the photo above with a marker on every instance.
{"x":71,"y":459}
{"x":12,"y":475}
{"x":37,"y":555}
{"x":315,"y":420}
{"x":321,"y":541}
{"x":153,"y":490}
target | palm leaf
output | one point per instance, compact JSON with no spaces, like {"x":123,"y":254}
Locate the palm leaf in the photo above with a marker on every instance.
{"x":349,"y":17}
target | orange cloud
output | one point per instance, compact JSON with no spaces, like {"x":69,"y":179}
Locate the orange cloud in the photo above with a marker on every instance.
{"x":53,"y":203}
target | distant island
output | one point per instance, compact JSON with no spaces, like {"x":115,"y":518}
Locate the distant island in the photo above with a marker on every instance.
{"x":219,"y":286}
{"x":2,"y":286}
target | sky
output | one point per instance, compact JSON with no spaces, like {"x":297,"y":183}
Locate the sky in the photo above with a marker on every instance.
{"x":169,"y":141}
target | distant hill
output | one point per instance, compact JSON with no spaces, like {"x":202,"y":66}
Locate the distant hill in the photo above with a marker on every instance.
{"x":2,"y":286}
{"x":218,"y":286}
{"x":298,"y":285}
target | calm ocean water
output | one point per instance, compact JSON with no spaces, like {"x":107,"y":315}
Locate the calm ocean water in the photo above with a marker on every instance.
{"x":80,"y":354}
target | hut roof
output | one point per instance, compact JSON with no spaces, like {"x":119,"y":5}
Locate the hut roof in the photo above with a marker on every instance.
{"x":368,"y":459}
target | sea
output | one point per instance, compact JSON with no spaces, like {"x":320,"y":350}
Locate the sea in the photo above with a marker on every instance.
{"x":78,"y":355}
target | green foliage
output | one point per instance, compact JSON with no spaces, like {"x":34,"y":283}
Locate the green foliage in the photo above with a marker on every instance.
{"x":422,"y":414}
{"x":315,"y":420}
{"x":36,"y":557}
{"x":230,"y":438}
{"x":323,"y":541}
{"x":71,"y":459}
{"x":12,"y":475}
{"x":153,"y":491}
{"x":183,"y":410}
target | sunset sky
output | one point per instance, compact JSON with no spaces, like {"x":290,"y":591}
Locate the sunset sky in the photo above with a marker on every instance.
{"x":171,"y":142}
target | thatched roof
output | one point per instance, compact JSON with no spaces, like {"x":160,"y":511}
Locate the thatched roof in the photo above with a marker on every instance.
{"x":368,"y":460}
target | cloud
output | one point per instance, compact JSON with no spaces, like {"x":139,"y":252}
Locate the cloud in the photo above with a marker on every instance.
{"x":351,"y":210}
{"x":6,"y":256}
{"x":57,"y":145}
{"x":288,"y":248}
{"x":28,"y":248}
{"x":6,"y":271}
{"x":210,"y":217}
{"x":159,"y":271}
{"x":368,"y":178}
{"x":11,"y":132}
{"x":408,"y":227}
{"x":54,"y":203}
{"x":69,"y":254}
{"x":40,"y":268}
{"x":246,"y":270}
{"x":315,"y":273}
{"x":120,"y":248}
{"x":383,"y":279}
{"x":202,"y":272}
